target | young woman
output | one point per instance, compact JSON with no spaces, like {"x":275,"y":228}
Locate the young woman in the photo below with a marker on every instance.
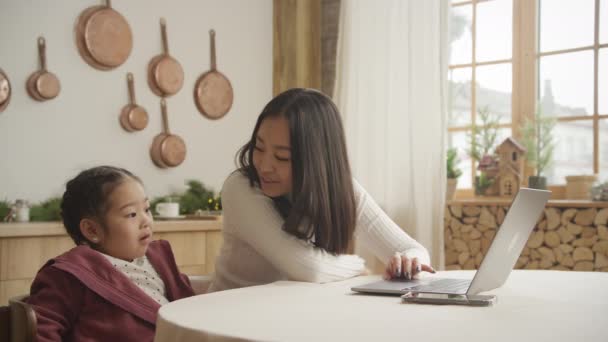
{"x":292,"y":209}
{"x":111,"y":285}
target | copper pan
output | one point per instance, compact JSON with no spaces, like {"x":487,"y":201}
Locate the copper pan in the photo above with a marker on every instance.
{"x":43,"y":85}
{"x":213,"y":93}
{"x":151,"y":80}
{"x":30,"y":86}
{"x":167,"y":150}
{"x":5,"y":91}
{"x":155,"y":148}
{"x":172,"y":148}
{"x":107,"y":37}
{"x":79,"y":30}
{"x":167,"y":74}
{"x":133,"y":117}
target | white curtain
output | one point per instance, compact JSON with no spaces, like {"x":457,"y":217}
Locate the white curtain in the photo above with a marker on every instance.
{"x":391,"y":90}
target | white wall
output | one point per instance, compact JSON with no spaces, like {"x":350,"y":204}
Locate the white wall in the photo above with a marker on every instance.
{"x":44,"y":144}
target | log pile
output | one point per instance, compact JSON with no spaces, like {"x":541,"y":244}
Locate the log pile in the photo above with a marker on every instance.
{"x":563,"y":238}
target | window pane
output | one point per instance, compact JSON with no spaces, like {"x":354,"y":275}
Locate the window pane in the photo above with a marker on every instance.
{"x":460,"y":97}
{"x":603,"y":81}
{"x":494,"y":30}
{"x":573,"y":154}
{"x":494,"y":89}
{"x":603,"y":21}
{"x":566,"y":24}
{"x":461,"y":37}
{"x":566,"y":84}
{"x":603,"y":152}
{"x":460,"y":142}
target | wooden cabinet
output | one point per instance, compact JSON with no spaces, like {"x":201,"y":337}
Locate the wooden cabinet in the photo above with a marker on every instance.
{"x":25,"y":247}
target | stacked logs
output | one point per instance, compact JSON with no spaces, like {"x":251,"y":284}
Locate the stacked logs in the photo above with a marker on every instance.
{"x":563,"y":238}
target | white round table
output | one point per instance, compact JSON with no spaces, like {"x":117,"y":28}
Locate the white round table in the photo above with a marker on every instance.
{"x":532,"y":306}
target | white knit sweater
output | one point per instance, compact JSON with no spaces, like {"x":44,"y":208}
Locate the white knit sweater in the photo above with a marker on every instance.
{"x":257,"y":251}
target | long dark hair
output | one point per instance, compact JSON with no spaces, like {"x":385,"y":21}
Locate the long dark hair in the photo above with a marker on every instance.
{"x":86,"y":196}
{"x":322,"y":208}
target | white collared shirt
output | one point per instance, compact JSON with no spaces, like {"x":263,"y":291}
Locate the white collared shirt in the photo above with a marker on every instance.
{"x":141,"y":272}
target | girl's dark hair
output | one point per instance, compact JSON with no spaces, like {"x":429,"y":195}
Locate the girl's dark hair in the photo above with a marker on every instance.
{"x":323,"y":207}
{"x":86,"y":196}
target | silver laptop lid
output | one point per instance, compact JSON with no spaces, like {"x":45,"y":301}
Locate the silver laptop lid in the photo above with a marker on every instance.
{"x":509,"y":240}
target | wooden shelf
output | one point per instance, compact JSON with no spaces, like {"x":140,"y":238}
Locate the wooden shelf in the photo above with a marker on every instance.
{"x":485,"y":201}
{"x":32,"y":229}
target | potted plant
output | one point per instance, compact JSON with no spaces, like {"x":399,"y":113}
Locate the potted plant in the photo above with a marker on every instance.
{"x":453,"y":172}
{"x":538,"y":141}
{"x":482,"y":140}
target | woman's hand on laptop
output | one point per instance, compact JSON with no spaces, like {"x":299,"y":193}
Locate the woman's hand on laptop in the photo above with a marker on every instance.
{"x":401,"y":267}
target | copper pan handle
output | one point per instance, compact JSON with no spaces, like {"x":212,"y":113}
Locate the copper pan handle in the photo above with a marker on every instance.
{"x":42,"y":52}
{"x":163,"y":33}
{"x":212,"y":39}
{"x":163,"y":110}
{"x":131,"y":88}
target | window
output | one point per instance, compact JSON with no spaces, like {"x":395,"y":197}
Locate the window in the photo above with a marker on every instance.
{"x":514,"y":56}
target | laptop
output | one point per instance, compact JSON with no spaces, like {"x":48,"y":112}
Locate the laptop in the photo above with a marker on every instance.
{"x":494,"y":270}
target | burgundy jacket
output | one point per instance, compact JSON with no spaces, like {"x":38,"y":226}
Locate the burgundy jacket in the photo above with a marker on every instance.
{"x":80,"y":296}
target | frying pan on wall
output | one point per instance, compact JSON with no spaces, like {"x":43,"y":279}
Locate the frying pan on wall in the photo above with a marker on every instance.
{"x":43,"y":85}
{"x":5,"y":91}
{"x":132,"y":116}
{"x":167,"y":150}
{"x":165,"y":73}
{"x":103,"y":37}
{"x":213,"y":94}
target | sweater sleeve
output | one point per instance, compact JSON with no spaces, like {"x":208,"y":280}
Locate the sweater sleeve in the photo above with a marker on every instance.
{"x":380,"y":234}
{"x":56,"y":297}
{"x":253,"y":219}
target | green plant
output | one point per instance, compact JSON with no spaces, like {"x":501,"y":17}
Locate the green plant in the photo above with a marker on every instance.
{"x":5,"y":208}
{"x":482,"y":137}
{"x":482,"y":183}
{"x":538,"y":141}
{"x":49,"y":210}
{"x":452,"y":163}
{"x":196,"y":197}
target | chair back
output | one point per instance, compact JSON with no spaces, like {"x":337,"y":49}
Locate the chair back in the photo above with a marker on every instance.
{"x":22,"y":320}
{"x":5,"y":323}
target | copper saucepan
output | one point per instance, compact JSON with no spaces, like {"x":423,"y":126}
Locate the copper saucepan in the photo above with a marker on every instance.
{"x":132,"y":116}
{"x":43,"y":85}
{"x":165,"y":74}
{"x":167,"y":150}
{"x":213,"y":94}
{"x":5,"y":91}
{"x":103,"y":37}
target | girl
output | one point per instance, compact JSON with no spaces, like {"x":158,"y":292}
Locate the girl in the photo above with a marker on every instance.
{"x":292,"y":209}
{"x":111,"y":285}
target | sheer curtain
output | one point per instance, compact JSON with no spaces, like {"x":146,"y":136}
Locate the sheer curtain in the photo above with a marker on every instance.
{"x":391,"y":90}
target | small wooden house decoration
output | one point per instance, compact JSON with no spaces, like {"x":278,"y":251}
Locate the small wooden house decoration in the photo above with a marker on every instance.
{"x":510,"y":167}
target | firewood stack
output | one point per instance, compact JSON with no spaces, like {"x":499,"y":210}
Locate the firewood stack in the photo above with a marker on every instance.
{"x":563,"y":238}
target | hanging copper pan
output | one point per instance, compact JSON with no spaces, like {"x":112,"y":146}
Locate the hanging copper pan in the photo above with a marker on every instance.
{"x":5,"y":91}
{"x":213,"y":93}
{"x":43,"y":85}
{"x":165,"y":74}
{"x":103,"y":37}
{"x":79,"y":37}
{"x":133,"y":117}
{"x":167,"y":150}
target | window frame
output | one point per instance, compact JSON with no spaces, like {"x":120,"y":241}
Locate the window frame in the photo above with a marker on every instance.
{"x":525,"y":61}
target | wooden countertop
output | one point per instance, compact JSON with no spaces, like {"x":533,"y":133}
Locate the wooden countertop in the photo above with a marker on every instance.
{"x":507,"y":202}
{"x":33,"y":229}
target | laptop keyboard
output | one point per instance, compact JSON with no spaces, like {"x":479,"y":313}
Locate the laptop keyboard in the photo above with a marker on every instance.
{"x":443,"y":286}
